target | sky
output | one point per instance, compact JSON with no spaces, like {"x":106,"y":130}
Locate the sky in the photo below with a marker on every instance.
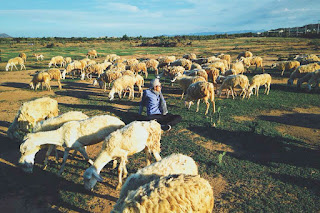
{"x":98,"y":18}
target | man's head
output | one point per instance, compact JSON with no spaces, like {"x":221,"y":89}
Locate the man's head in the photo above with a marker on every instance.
{"x":155,"y":84}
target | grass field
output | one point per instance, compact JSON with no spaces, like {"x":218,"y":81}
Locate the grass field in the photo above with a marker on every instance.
{"x":259,"y":155}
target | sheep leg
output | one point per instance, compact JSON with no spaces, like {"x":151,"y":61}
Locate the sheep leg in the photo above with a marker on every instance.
{"x":208,"y":105}
{"x":148,"y":156}
{"x":45,"y":163}
{"x":182,"y":95}
{"x":65,"y":157}
{"x":232,"y":93}
{"x":15,"y":67}
{"x":114,"y":164}
{"x":258,"y":90}
{"x":120,"y":169}
{"x":198,"y":102}
{"x":82,"y":150}
{"x":268,"y":86}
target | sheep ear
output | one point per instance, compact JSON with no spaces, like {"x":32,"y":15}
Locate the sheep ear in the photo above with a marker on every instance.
{"x":98,"y":177}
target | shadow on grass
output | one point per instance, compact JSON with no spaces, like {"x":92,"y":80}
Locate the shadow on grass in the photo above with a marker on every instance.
{"x":39,"y":191}
{"x":16,"y":85}
{"x":307,"y":120}
{"x":262,"y":149}
{"x":310,"y":184}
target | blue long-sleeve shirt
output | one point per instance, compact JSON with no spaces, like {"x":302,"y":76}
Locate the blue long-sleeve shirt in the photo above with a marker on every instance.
{"x":154,"y":102}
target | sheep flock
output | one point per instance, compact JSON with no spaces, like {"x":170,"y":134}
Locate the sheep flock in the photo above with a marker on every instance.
{"x":172,"y":183}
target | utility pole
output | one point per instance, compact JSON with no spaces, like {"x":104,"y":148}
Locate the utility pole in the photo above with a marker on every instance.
{"x":318,"y":27}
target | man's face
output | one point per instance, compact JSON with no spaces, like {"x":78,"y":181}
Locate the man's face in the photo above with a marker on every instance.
{"x":158,"y":88}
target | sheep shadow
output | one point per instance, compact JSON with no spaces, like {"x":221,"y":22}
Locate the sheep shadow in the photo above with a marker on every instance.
{"x":16,"y":85}
{"x":261,"y":148}
{"x":308,"y":120}
{"x":39,"y":190}
{"x":293,"y":89}
{"x":88,"y":95}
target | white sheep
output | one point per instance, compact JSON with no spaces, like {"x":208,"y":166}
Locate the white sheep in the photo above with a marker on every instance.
{"x":190,"y":56}
{"x":212,"y":73}
{"x":30,"y":113}
{"x":173,"y":193}
{"x":245,"y":54}
{"x":302,"y":70}
{"x":54,"y":123}
{"x":197,"y":72}
{"x":92,"y":53}
{"x":184,"y":81}
{"x":226,"y":57}
{"x":68,"y":60}
{"x":182,"y":62}
{"x":38,"y":56}
{"x":56,"y":75}
{"x":112,"y":57}
{"x":311,"y":78}
{"x":171,"y":72}
{"x":285,"y":66}
{"x":231,"y":82}
{"x":71,"y":135}
{"x":200,"y":90}
{"x":238,"y":67}
{"x":172,"y":164}
{"x":121,"y":84}
{"x":57,"y":60}
{"x":15,"y":61}
{"x":23,"y":56}
{"x":152,"y":63}
{"x":131,"y":139}
{"x":136,"y":68}
{"x":195,"y":66}
{"x":107,"y":77}
{"x":257,"y":81}
{"x":39,"y":78}
{"x":216,"y":64}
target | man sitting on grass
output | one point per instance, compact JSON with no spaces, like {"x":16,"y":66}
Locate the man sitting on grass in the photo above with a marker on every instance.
{"x":156,"y":106}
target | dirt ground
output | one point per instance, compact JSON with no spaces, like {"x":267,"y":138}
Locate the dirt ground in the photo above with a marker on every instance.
{"x":14,"y":90}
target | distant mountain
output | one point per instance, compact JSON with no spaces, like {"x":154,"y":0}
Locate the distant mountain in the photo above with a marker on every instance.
{"x":3,"y":35}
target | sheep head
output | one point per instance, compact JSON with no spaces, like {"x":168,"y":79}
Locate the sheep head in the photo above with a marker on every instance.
{"x":28,"y":152}
{"x":90,"y":177}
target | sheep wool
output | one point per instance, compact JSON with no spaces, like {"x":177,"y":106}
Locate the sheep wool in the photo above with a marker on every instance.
{"x":30,"y":113}
{"x":131,"y":139}
{"x":200,"y":90}
{"x":56,"y":122}
{"x":71,"y":135}
{"x":173,"y":193}
{"x":257,"y":81}
{"x":122,"y":83}
{"x":303,"y":70}
{"x":173,"y":164}
{"x":15,"y":61}
{"x":39,"y":78}
{"x":231,"y":82}
{"x":285,"y":66}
